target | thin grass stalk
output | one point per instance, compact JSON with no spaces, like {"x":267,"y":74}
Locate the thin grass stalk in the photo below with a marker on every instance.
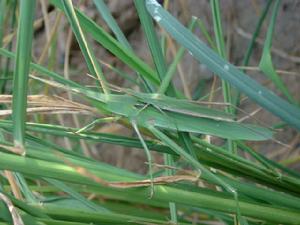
{"x":251,"y":47}
{"x":3,"y":12}
{"x":266,"y":64}
{"x":222,"y":52}
{"x":172,"y":68}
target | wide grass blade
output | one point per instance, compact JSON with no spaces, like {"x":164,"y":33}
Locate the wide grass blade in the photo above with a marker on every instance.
{"x":264,"y":97}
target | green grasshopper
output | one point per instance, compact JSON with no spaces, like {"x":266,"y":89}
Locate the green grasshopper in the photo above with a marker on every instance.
{"x":155,"y":112}
{"x":185,"y":116}
{"x":146,"y":109}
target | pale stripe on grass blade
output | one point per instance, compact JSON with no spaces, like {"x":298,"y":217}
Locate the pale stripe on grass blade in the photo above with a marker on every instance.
{"x":258,"y":93}
{"x":89,"y":56}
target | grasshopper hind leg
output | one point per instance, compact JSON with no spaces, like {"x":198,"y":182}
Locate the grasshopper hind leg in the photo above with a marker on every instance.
{"x":148,"y":154}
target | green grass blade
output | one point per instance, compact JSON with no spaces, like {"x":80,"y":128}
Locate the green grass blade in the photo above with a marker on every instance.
{"x":20,"y":84}
{"x":23,"y":56}
{"x":266,"y":64}
{"x":152,"y":40}
{"x":2,"y":16}
{"x":76,"y":195}
{"x":226,"y":89}
{"x":43,"y":71}
{"x":172,"y":68}
{"x":169,"y":142}
{"x":252,"y":44}
{"x":215,"y":6}
{"x":3,"y":12}
{"x":111,"y":22}
{"x":256,"y":33}
{"x":108,"y":18}
{"x":162,"y":193}
{"x":264,"y":97}
{"x":89,"y":56}
{"x":13,"y":5}
{"x":70,"y":214}
{"x":116,"y":48}
{"x":206,"y":34}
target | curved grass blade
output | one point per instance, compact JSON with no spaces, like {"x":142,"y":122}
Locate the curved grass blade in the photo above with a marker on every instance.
{"x":89,"y":56}
{"x":264,"y":97}
{"x":266,"y":64}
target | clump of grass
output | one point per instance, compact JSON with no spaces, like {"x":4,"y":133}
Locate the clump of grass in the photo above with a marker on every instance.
{"x":198,"y":177}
